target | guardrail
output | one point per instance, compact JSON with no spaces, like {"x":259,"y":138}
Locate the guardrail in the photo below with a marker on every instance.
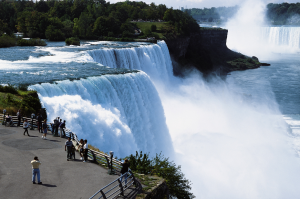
{"x":116,"y":187}
{"x":96,"y":156}
{"x":15,"y":120}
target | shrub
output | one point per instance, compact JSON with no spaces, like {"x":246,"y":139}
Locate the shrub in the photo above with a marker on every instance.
{"x":73,"y":41}
{"x":54,"y":34}
{"x":110,"y":34}
{"x":8,"y":89}
{"x":7,"y":41}
{"x":23,"y":87}
{"x":178,"y":185}
{"x":31,"y":42}
{"x":153,"y":28}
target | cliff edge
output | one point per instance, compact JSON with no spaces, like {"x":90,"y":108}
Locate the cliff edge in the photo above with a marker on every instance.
{"x":207,"y":51}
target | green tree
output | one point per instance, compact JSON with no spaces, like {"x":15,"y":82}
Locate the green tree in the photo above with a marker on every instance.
{"x":153,"y":28}
{"x":178,"y":185}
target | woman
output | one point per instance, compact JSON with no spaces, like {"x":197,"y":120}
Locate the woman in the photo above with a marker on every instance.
{"x":25,"y":126}
{"x":45,"y":129}
{"x":80,"y":148}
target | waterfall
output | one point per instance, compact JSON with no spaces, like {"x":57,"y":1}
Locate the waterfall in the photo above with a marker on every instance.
{"x":122,"y":113}
{"x":153,"y":59}
{"x":282,"y":36}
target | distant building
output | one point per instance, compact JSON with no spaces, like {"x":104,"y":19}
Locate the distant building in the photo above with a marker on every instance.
{"x":182,"y":9}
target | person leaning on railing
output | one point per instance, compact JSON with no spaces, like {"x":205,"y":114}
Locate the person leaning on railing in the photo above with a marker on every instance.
{"x":124,"y":170}
{"x":80,"y":148}
{"x":85,"y":150}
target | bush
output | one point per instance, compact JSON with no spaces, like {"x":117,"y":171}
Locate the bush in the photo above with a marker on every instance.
{"x":8,"y":89}
{"x":31,"y":42}
{"x":153,"y":28}
{"x":73,"y":41}
{"x":53,"y":34}
{"x":110,"y":34}
{"x":23,"y":87}
{"x":7,"y":41}
{"x":178,"y":185}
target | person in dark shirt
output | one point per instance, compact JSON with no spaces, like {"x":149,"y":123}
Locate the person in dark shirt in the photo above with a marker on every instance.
{"x":45,"y":129}
{"x":125,"y":166}
{"x":40,"y":123}
{"x":61,"y":127}
{"x":68,"y":148}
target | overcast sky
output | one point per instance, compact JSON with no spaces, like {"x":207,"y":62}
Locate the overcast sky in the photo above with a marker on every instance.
{"x":205,"y":3}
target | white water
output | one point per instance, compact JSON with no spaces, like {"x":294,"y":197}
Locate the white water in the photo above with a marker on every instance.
{"x":122,"y":113}
{"x":153,"y":59}
{"x":229,"y":145}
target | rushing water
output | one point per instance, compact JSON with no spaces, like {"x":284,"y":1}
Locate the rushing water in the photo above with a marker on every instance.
{"x":234,"y":139}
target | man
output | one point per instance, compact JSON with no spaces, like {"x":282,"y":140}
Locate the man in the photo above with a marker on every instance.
{"x":124,"y":170}
{"x":19,"y":117}
{"x":45,"y":129}
{"x":85,"y":150}
{"x":68,"y":148}
{"x":40,"y":123}
{"x":35,"y":170}
{"x":61,"y":128}
{"x":56,"y":122}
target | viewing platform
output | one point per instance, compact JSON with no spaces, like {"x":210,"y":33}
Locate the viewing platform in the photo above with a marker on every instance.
{"x":60,"y":178}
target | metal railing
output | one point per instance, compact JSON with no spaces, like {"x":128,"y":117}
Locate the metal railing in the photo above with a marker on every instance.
{"x":116,"y":187}
{"x":96,"y":156}
{"x":15,"y":120}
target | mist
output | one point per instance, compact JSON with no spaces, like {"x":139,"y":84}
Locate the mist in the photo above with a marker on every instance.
{"x":230,"y":145}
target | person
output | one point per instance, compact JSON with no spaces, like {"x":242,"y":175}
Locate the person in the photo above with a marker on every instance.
{"x":56,"y":122}
{"x":19,"y":117}
{"x":124,"y":170}
{"x":80,"y":149}
{"x":36,"y":170}
{"x":25,"y":126}
{"x":9,"y":120}
{"x":45,"y":129}
{"x":40,"y":123}
{"x":68,"y":148}
{"x":85,"y":150}
{"x":61,"y":128}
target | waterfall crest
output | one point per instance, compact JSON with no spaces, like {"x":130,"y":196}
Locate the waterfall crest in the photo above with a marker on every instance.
{"x":153,"y":59}
{"x":282,"y":36}
{"x":122,"y":113}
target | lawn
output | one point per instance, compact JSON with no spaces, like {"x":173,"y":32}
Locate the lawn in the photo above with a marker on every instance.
{"x":147,"y":25}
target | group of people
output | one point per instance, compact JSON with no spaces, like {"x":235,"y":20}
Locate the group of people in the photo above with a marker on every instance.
{"x":82,"y":149}
{"x":58,"y":125}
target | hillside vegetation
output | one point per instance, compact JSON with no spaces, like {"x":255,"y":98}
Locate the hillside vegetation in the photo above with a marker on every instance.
{"x":12,"y":99}
{"x":89,"y":19}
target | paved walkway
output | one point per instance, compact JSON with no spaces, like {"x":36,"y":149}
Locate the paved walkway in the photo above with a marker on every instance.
{"x":61,"y":178}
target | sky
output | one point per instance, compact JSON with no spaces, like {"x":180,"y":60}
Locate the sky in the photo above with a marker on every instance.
{"x":205,"y":3}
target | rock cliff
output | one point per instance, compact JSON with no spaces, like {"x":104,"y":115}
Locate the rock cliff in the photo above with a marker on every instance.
{"x":207,"y":51}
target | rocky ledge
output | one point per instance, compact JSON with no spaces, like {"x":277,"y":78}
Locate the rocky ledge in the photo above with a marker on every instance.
{"x":207,"y":51}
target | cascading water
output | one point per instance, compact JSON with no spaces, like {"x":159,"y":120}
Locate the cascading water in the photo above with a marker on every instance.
{"x":288,"y":37}
{"x":153,"y":59}
{"x":122,"y":113}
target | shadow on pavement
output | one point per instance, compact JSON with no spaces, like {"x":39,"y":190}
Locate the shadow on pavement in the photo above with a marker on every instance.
{"x":48,"y":185}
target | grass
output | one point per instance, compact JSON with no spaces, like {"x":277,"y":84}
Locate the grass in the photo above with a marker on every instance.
{"x":149,"y":183}
{"x":243,"y":63}
{"x":147,"y":26}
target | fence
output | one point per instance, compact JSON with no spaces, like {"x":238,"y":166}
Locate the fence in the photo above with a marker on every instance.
{"x":115,"y":188}
{"x":15,"y":120}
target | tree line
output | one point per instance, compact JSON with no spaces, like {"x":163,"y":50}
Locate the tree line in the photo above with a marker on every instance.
{"x":284,"y":13}
{"x":88,"y":19}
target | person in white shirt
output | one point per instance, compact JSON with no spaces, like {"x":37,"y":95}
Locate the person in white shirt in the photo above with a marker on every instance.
{"x":25,"y":126}
{"x":85,"y":150}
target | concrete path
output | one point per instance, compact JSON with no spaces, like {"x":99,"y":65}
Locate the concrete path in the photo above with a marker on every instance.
{"x":61,"y":178}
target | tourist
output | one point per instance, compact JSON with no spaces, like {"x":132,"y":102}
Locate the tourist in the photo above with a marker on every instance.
{"x":36,"y":170}
{"x":61,"y":128}
{"x":9,"y":120}
{"x":25,"y":126}
{"x":124,"y":170}
{"x":56,"y":122}
{"x":45,"y":129}
{"x":85,"y":150}
{"x":68,"y":148}
{"x":80,"y":149}
{"x":19,"y":117}
{"x":40,"y":123}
